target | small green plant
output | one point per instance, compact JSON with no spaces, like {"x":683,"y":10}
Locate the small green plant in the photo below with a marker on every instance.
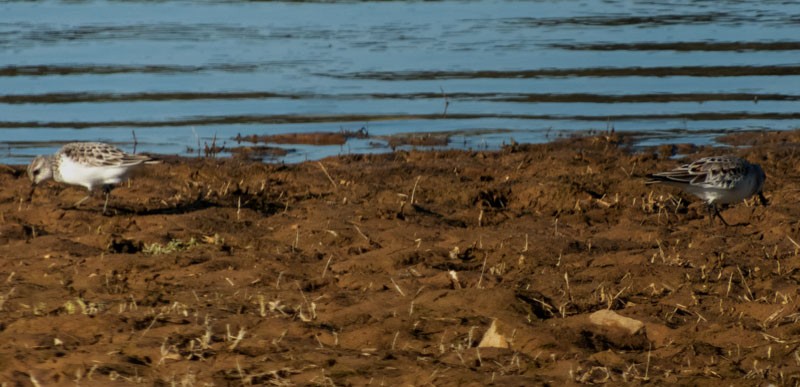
{"x":171,"y":247}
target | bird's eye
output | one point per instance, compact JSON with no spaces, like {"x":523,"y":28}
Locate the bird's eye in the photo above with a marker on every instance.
{"x":36,"y":172}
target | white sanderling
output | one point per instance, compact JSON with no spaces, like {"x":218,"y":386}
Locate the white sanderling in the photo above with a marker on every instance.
{"x":717,"y":180}
{"x":88,"y":164}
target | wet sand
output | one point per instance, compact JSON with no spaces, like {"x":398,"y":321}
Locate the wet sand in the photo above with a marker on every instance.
{"x":390,"y":269}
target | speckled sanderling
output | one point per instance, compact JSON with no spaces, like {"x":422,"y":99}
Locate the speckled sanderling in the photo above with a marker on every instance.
{"x":88,"y":164}
{"x":717,"y":180}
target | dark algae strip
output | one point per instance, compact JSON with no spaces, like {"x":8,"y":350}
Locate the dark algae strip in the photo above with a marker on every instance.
{"x":600,"y":72}
{"x":691,"y":71}
{"x":56,"y":98}
{"x":282,"y":119}
{"x":681,"y":46}
{"x":634,"y":20}
{"x":50,"y":70}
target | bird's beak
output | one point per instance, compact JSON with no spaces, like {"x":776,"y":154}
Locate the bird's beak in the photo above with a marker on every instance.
{"x":30,"y":194}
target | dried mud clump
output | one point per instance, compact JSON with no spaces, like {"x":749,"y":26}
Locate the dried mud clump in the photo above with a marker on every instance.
{"x":536,"y":264}
{"x":258,"y":152}
{"x":417,"y":140}
{"x":313,"y":138}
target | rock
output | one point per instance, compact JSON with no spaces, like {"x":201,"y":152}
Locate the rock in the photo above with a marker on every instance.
{"x":492,"y":338}
{"x":610,"y":319}
{"x":609,"y":330}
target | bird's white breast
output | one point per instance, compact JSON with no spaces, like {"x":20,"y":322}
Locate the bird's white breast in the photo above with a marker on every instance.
{"x":72,"y":172}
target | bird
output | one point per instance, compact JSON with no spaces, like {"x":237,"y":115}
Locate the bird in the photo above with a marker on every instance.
{"x":717,"y":180}
{"x":87,"y":164}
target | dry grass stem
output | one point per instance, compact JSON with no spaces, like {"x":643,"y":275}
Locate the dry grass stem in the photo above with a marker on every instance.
{"x":414,"y":190}
{"x":327,"y":264}
{"x":325,"y":170}
{"x":396,"y":286}
{"x":394,"y":341}
{"x":483,"y":269}
{"x":796,"y":245}
{"x":366,"y":238}
{"x":744,"y":282}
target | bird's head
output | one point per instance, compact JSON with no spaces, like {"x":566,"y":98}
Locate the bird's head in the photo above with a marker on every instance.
{"x":40,"y":169}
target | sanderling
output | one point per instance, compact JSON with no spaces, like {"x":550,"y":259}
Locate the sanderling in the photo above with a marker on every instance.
{"x":88,"y":164}
{"x":717,"y":180}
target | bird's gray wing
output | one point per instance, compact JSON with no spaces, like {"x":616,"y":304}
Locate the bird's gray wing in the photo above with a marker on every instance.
{"x":100,"y":154}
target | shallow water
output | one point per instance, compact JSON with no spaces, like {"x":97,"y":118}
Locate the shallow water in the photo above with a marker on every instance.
{"x":180,"y":73}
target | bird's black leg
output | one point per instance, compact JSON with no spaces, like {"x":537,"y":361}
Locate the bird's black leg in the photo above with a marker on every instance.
{"x":107,"y":193}
{"x":711,"y":214}
{"x":713,"y":211}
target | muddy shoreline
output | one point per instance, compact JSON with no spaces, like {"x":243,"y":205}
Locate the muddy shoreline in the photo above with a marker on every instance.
{"x":390,"y":269}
